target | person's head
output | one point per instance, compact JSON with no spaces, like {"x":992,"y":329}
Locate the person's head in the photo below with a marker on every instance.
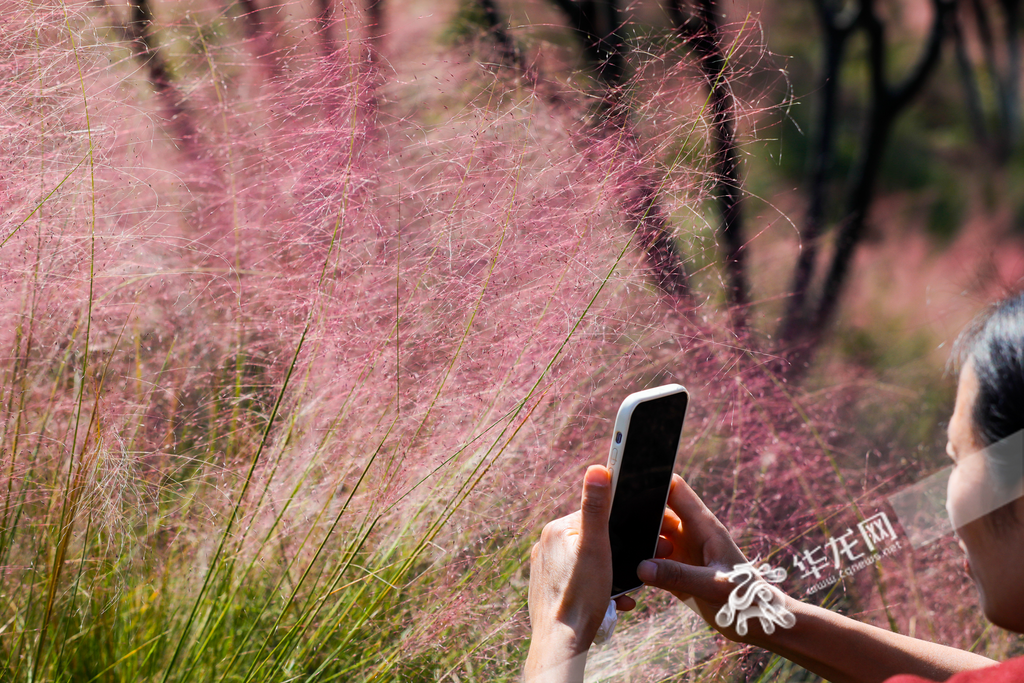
{"x":986,"y":442}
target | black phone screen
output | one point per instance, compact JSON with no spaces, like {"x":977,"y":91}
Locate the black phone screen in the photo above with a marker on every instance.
{"x":645,"y":473}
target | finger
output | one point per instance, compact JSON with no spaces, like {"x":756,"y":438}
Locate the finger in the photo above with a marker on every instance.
{"x":624,"y":603}
{"x":665,"y":547}
{"x":596,"y":504}
{"x":676,"y":577}
{"x":684,"y":502}
{"x":671,"y":525}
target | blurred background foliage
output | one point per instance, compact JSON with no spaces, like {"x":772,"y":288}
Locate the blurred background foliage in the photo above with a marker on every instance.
{"x":316,"y":310}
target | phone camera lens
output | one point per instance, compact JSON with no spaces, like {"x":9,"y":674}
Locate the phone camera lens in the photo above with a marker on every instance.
{"x":618,"y":437}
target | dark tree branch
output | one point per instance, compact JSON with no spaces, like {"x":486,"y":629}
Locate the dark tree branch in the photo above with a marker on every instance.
{"x":912,"y":85}
{"x":640,"y":203}
{"x":369,"y":108}
{"x":701,"y":31}
{"x":252,"y":14}
{"x":261,"y":38}
{"x":139,"y":34}
{"x":685,"y":23}
{"x":984,"y":30}
{"x":886,"y":104}
{"x":511,"y":55}
{"x":1001,"y":144}
{"x":638,"y":198}
{"x":325,"y":21}
{"x":837,"y":26}
{"x":598,"y":26}
{"x":1011,"y":92}
{"x":573,"y":11}
{"x":971,"y":93}
{"x":981,"y":21}
{"x":144,"y":45}
{"x":375,"y":28}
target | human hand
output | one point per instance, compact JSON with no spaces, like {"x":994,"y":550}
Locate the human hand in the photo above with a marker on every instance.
{"x":571,"y":580}
{"x":694,"y":554}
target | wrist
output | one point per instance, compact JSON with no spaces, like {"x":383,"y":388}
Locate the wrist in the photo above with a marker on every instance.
{"x":779,"y":640}
{"x":557,"y":652}
{"x":558,"y":636}
{"x":755,"y":610}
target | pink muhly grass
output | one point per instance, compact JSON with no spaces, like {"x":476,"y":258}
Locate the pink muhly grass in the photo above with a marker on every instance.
{"x":349,"y":348}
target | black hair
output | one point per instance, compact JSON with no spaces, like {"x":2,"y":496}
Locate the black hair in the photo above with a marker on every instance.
{"x":994,"y":344}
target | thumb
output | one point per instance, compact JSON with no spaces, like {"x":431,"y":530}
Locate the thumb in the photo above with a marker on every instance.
{"x":705,"y":583}
{"x":596,"y":504}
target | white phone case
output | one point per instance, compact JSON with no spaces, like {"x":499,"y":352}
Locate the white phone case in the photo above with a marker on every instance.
{"x":621,"y":426}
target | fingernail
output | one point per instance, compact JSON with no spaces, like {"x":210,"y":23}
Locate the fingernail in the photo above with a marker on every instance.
{"x":596,"y":476}
{"x":647,"y":571}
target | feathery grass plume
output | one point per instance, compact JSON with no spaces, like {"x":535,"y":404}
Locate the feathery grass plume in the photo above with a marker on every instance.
{"x":292,"y":401}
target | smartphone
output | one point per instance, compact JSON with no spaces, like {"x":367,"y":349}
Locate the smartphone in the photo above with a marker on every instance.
{"x":642,"y":455}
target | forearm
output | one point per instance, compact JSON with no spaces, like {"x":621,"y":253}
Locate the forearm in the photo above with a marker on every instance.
{"x":843,"y":650}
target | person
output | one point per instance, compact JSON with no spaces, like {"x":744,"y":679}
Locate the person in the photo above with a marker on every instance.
{"x":570,"y":571}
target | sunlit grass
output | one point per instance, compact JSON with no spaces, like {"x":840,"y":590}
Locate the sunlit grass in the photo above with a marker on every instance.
{"x":293,"y":401}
